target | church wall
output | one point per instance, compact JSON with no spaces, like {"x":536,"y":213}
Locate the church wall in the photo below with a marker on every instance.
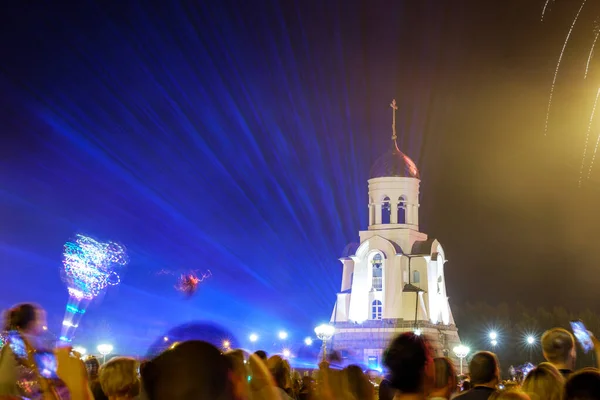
{"x":392,"y":302}
{"x":405,"y":238}
{"x":347,"y":274}
{"x":373,"y":337}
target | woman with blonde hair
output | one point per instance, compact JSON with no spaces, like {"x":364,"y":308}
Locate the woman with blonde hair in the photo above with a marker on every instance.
{"x":119,"y":378}
{"x":544,"y":382}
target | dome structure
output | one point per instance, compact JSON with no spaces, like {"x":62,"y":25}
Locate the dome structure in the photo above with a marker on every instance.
{"x":394,"y":164}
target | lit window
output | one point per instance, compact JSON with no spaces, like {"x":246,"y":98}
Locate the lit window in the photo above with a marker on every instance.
{"x":376,"y":310}
{"x":377,"y":272}
{"x":416,"y":277}
{"x":386,"y":211}
{"x":402,"y":210}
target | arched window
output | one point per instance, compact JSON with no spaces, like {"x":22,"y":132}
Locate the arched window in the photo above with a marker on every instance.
{"x":401,"y":210}
{"x":416,"y":277}
{"x":377,"y":272}
{"x":386,"y":210}
{"x":376,"y":310}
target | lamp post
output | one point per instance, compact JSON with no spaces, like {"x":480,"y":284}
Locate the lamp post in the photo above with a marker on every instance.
{"x":530,"y":339}
{"x":324,"y":332}
{"x":105,"y":349}
{"x":461,"y":352}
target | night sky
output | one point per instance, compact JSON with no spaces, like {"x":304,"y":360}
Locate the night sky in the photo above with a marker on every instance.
{"x":237,"y":137}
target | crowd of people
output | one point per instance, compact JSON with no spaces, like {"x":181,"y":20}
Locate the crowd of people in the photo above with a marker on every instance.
{"x":199,"y":370}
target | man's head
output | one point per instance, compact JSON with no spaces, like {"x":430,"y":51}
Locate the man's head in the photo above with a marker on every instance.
{"x":583,"y":385}
{"x":410,"y":364}
{"x":558,"y":347}
{"x":484,"y":369}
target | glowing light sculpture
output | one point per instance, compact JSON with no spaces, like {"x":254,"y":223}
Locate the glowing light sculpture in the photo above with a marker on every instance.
{"x":89,"y":267}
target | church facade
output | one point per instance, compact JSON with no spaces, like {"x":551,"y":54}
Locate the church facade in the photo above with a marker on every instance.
{"x":394,"y":280}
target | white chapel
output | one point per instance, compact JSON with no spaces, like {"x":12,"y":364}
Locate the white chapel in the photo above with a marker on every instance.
{"x":393,"y":281}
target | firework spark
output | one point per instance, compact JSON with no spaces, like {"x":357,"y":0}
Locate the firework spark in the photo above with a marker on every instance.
{"x":587,"y":138}
{"x":544,"y":10}
{"x":587,"y":65}
{"x":558,"y":65}
{"x":593,"y":157}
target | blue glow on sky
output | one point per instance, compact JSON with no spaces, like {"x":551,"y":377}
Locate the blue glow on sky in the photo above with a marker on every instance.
{"x":219,"y":138}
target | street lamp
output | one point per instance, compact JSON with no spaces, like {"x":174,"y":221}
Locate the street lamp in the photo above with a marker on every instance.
{"x":286,"y":353}
{"x":461,"y":352}
{"x":494,"y":343}
{"x":308,"y":341}
{"x":226,"y":344}
{"x":105,"y":349}
{"x":324,"y":332}
{"x":493,"y":335}
{"x":530,"y":339}
{"x":283,"y":335}
{"x":253,"y":337}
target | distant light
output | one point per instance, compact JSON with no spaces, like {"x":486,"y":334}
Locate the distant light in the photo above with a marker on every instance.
{"x":493,"y":335}
{"x":286,"y":353}
{"x":105,"y":349}
{"x":308,"y":341}
{"x":226,"y":344}
{"x":418,"y":332}
{"x":64,"y":339}
{"x":253,"y":337}
{"x":69,"y":324}
{"x":494,"y":343}
{"x":45,"y":327}
{"x":166,"y":339}
{"x":530,"y":339}
{"x":175,"y":344}
{"x":283,"y":335}
{"x":80,"y":350}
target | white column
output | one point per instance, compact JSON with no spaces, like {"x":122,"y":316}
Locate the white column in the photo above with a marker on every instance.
{"x":393,"y":212}
{"x":371,"y":207}
{"x":377,"y":213}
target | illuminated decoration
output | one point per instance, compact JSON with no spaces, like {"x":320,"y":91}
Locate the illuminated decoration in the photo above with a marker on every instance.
{"x":283,"y":335}
{"x":253,"y":337}
{"x":308,"y":341}
{"x":188,"y":283}
{"x":286,"y":353}
{"x":226,"y":344}
{"x":89,"y":267}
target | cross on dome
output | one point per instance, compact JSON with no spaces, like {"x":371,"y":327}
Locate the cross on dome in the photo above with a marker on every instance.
{"x":394,"y":163}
